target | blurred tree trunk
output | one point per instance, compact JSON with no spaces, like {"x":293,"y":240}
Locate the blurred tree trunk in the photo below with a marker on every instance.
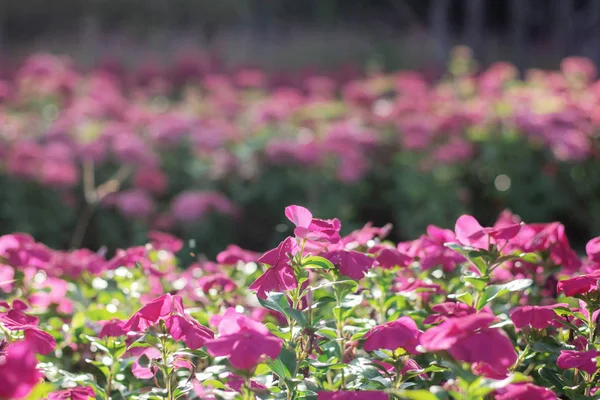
{"x":438,"y":24}
{"x":518,"y":18}
{"x":474,"y":28}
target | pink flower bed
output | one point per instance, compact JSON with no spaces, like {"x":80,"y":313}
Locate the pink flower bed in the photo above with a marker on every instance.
{"x":502,"y":312}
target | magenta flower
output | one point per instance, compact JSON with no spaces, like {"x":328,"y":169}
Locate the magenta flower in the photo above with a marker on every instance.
{"x":317,"y":230}
{"x":187,"y":329}
{"x":470,"y":339}
{"x":524,"y":391}
{"x":165,"y":241}
{"x":350,"y":263}
{"x":402,"y":333}
{"x":592,"y":249}
{"x":434,"y":253}
{"x":390,"y":258}
{"x":21,"y":250}
{"x":7,"y":275}
{"x":38,"y":340}
{"x":180,"y":325}
{"x":153,"y":355}
{"x":18,"y":372}
{"x":353,"y":395}
{"x":280,"y":277}
{"x":470,"y":232}
{"x":232,"y":254}
{"x":444,"y":311}
{"x":78,"y":393}
{"x":219,"y":281}
{"x":236,"y":382}
{"x":537,"y":317}
{"x":243,"y":340}
{"x":583,"y":360}
{"x":579,"y":284}
{"x":112,"y":328}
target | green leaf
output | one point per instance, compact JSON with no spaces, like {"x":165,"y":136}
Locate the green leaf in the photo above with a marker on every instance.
{"x":284,"y":365}
{"x":316,"y":262}
{"x":352,"y":300}
{"x":478,"y":282}
{"x":493,"y":291}
{"x":463,"y":298}
{"x":552,"y":377}
{"x":279,"y":302}
{"x":40,"y":391}
{"x":530,"y":258}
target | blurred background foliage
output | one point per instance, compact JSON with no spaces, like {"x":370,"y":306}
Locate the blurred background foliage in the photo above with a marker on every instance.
{"x":314,"y":35}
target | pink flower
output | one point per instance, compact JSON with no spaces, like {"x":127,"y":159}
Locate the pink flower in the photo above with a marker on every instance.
{"x":470,"y":339}
{"x":317,"y":230}
{"x":188,"y":330}
{"x":390,"y":258}
{"x":368,"y":232}
{"x":537,"y":317}
{"x":350,"y":263}
{"x":18,"y":372}
{"x":220,"y":281}
{"x":150,"y":179}
{"x":353,"y":395}
{"x":579,"y":284}
{"x":280,"y":277}
{"x":112,"y":328}
{"x":433,"y":252}
{"x":235,"y":382}
{"x":193,"y":206}
{"x":469,"y":232}
{"x":180,"y":325}
{"x":135,"y":203}
{"x":232,"y":254}
{"x":153,"y":354}
{"x":583,"y":360}
{"x":524,"y":391}
{"x":165,"y":241}
{"x":592,"y":249}
{"x":7,"y":275}
{"x":21,"y":250}
{"x":38,"y":340}
{"x":402,"y":333}
{"x":243,"y":340}
{"x":78,"y":393}
{"x":448,"y":310}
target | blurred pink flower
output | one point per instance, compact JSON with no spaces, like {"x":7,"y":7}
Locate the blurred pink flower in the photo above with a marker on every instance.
{"x":583,"y":360}
{"x":78,"y":393}
{"x":402,"y":333}
{"x":524,"y":391}
{"x":135,"y":203}
{"x":233,"y":254}
{"x":470,"y":339}
{"x":193,"y":206}
{"x":18,"y":371}
{"x":243,"y":340}
{"x":536,"y":317}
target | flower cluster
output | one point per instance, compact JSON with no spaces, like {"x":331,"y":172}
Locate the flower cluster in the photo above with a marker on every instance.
{"x":502,"y":312}
{"x":167,"y":152}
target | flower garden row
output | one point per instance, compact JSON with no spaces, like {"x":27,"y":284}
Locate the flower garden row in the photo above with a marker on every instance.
{"x":502,"y":312}
{"x":167,"y":155}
